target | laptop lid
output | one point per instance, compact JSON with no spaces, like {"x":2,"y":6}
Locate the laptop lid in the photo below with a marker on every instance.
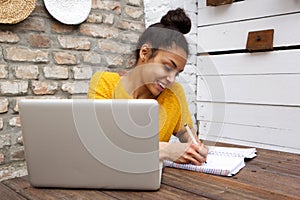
{"x":83,"y":143}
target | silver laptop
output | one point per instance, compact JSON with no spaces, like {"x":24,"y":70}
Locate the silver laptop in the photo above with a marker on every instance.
{"x":110,"y":144}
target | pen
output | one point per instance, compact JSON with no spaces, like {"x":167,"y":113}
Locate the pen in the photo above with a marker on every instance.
{"x":190,"y":134}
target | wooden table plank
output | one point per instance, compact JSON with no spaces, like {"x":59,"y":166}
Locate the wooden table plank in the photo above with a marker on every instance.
{"x":165,"y":193}
{"x":271,"y":164}
{"x":279,"y":157}
{"x":38,"y":193}
{"x":270,"y":180}
{"x":22,"y":186}
{"x":271,"y":170}
{"x":8,"y":194}
{"x":217,"y":187}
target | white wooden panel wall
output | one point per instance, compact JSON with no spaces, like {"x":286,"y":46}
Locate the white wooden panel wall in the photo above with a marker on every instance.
{"x":260,"y":63}
{"x":232,"y":36}
{"x":249,"y":98}
{"x":244,"y":10}
{"x":273,"y":127}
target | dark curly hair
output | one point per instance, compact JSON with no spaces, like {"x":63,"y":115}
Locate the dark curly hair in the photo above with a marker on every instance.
{"x":166,"y":33}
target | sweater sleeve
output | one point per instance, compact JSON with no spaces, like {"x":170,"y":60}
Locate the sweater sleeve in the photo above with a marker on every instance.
{"x":184,"y":110}
{"x":102,"y":85}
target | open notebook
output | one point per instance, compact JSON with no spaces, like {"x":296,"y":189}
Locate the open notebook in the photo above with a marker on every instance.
{"x":223,"y":161}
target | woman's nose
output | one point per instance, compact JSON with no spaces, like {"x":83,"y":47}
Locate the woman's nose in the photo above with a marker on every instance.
{"x":171,"y":77}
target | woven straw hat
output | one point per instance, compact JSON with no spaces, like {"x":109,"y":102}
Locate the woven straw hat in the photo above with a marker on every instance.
{"x":14,"y":11}
{"x":69,"y":11}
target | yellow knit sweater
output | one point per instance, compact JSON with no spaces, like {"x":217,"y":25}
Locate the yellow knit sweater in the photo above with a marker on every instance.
{"x":173,"y":108}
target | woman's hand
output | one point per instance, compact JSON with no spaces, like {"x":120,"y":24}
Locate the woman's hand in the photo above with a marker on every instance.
{"x":195,"y":154}
{"x":183,"y":152}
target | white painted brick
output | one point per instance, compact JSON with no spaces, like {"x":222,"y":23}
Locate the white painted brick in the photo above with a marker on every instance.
{"x":78,"y":87}
{"x":192,"y":60}
{"x":3,"y":105}
{"x":134,"y":2}
{"x":26,"y":71}
{"x":56,"y":72}
{"x":3,"y":70}
{"x":15,"y":121}
{"x":44,"y":87}
{"x":190,"y":6}
{"x":187,"y":79}
{"x":192,"y":40}
{"x":82,"y":72}
{"x":190,"y":69}
{"x":13,"y":87}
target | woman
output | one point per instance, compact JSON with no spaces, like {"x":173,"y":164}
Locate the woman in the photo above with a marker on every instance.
{"x":161,"y":54}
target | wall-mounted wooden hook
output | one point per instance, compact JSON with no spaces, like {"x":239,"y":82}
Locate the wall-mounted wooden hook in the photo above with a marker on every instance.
{"x":260,"y":40}
{"x":217,"y":2}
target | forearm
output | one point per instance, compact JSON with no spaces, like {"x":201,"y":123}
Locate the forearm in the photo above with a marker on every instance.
{"x":171,"y":151}
{"x":183,"y":136}
{"x":163,"y":153}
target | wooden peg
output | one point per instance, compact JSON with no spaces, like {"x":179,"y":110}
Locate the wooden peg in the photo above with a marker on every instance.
{"x":217,"y":2}
{"x":260,"y":40}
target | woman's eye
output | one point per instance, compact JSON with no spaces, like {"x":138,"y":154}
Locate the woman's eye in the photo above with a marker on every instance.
{"x":168,"y":68}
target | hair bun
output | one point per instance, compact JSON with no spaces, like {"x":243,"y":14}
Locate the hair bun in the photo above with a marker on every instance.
{"x":178,"y":20}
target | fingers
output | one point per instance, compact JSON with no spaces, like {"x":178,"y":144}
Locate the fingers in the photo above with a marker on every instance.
{"x":191,"y":153}
{"x":198,"y":153}
{"x":194,"y":161}
{"x":203,"y":150}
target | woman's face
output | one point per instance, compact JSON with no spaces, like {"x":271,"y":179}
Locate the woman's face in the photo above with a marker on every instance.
{"x":160,"y":71}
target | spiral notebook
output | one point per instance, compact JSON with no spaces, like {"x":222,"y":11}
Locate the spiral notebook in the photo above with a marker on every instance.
{"x":223,"y":161}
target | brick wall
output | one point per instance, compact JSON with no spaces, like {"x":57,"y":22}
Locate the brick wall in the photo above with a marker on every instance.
{"x":42,"y":58}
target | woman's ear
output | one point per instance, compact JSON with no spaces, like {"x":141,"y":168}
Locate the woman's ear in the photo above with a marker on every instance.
{"x":145,"y":52}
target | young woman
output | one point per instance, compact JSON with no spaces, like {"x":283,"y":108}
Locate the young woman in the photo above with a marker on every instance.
{"x":161,"y":55}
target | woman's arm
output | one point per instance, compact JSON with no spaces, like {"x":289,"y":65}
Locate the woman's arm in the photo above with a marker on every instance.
{"x":183,"y":152}
{"x":183,"y":136}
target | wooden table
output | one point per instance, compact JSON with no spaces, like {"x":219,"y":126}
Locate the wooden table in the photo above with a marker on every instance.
{"x":271,"y":175}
